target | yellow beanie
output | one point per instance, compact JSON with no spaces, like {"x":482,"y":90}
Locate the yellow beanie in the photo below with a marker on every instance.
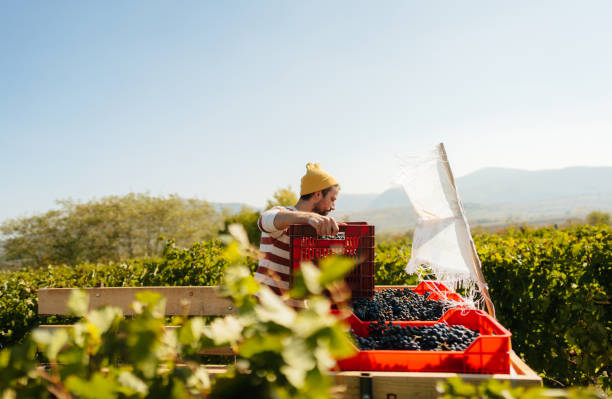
{"x":316,"y":179}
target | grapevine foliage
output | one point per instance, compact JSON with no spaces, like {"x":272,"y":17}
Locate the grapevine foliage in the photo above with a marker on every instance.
{"x":390,"y":262}
{"x":552,"y":289}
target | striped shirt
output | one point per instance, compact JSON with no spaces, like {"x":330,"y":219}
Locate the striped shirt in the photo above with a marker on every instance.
{"x":274,"y":252}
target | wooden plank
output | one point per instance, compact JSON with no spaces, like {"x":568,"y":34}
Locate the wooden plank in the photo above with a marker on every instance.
{"x":522,"y":368}
{"x":401,"y":385}
{"x":191,"y":301}
{"x":352,"y":384}
{"x":224,"y":351}
{"x":203,"y":301}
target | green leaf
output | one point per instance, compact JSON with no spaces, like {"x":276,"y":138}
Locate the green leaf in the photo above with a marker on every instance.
{"x":78,"y":303}
{"x":239,"y":284}
{"x":308,"y":323}
{"x":298,"y":361}
{"x":97,"y":387}
{"x":325,"y":360}
{"x":191,"y":331}
{"x":298,"y":286}
{"x":312,"y":277}
{"x":135,"y":384}
{"x":103,"y":318}
{"x":334,"y":268}
{"x":53,"y":342}
{"x":272,"y":308}
{"x":8,"y":394}
{"x":150,"y":302}
{"x":199,"y":380}
{"x":74,"y":356}
{"x":261,"y":343}
{"x":223,"y":331}
{"x":239,"y":233}
{"x":233,"y":253}
{"x":337,"y":341}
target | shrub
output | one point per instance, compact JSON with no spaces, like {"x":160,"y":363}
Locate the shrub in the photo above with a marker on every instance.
{"x":551,"y":289}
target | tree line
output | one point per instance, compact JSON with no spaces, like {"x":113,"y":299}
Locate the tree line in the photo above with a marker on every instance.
{"x":116,"y":228}
{"x":109,"y":229}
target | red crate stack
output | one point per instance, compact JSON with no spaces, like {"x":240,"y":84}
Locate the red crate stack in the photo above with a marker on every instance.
{"x":355,"y":240}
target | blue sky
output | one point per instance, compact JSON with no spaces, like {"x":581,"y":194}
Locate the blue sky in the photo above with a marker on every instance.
{"x":227,"y":101}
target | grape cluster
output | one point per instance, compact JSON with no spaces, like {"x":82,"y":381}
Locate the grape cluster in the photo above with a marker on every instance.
{"x":397,"y":305}
{"x":439,"y":337}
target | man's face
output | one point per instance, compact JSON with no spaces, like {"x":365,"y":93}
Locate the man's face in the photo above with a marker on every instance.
{"x":327,"y":203}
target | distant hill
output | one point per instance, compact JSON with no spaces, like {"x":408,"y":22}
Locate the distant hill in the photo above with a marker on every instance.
{"x":497,"y":185}
{"x":495,"y":196}
{"x":354,"y":202}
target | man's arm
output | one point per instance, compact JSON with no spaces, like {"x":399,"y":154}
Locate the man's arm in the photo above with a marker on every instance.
{"x":277,"y":219}
{"x":325,"y":225}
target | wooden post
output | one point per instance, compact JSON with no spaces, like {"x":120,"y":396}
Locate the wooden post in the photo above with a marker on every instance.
{"x":475,"y":258}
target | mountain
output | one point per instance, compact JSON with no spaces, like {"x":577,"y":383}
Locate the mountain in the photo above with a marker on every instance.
{"x":354,"y":202}
{"x":498,"y":185}
{"x":496,"y":196}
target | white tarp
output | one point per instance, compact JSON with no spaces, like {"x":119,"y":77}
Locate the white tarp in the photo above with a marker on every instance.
{"x":442,"y":238}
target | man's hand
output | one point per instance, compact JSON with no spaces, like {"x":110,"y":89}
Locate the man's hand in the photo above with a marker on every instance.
{"x":325,"y":225}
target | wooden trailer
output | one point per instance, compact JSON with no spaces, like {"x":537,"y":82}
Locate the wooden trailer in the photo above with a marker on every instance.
{"x":204,"y":301}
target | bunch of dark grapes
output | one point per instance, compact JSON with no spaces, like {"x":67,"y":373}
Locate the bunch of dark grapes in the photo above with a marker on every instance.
{"x":439,"y":337}
{"x":397,"y":305}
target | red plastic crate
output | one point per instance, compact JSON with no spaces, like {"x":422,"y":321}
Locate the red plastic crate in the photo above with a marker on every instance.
{"x":437,"y":291}
{"x":488,"y":354}
{"x":355,"y":239}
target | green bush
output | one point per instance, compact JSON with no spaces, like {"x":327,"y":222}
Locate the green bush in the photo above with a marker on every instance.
{"x":201,"y":264}
{"x":551,"y":288}
{"x":391,"y":260}
{"x":18,"y":305}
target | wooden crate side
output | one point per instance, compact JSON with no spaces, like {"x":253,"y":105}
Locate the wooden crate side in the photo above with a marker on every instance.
{"x":400,"y":385}
{"x":198,"y":300}
{"x":522,"y":368}
{"x":191,"y":301}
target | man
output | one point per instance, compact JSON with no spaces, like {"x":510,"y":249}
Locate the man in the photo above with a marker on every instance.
{"x":318,"y":193}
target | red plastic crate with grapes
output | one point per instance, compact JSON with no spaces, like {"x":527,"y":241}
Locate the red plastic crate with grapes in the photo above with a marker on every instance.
{"x":489,"y":353}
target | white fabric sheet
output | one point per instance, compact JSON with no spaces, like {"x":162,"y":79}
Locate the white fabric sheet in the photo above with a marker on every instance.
{"x":442,"y":238}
